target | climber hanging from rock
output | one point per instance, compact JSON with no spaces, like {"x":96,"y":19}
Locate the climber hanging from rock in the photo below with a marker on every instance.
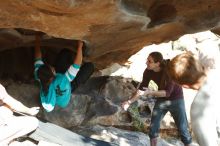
{"x":57,"y":83}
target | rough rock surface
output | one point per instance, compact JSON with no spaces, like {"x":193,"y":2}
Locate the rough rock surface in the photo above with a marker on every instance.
{"x":92,"y":104}
{"x":112,"y":29}
{"x":96,"y":102}
{"x":124,"y":137}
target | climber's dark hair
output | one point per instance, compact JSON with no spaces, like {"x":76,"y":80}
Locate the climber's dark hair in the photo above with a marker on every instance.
{"x":158,"y":57}
{"x":64,"y":60}
{"x":45,"y":75}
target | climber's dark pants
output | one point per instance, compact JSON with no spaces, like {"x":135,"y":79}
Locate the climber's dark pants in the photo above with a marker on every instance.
{"x":63,"y":61}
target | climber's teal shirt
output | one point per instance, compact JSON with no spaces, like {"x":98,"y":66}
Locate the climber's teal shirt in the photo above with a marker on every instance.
{"x":59,"y":92}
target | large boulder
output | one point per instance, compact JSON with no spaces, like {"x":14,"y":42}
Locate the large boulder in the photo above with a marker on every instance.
{"x":90,"y":104}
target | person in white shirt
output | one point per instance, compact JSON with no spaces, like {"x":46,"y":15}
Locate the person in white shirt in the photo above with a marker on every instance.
{"x":12,"y":126}
{"x":202,"y":74}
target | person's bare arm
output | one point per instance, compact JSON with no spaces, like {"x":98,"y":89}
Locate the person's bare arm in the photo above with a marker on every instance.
{"x":159,"y":93}
{"x":37,"y":50}
{"x":78,"y":59}
{"x":18,"y":106}
{"x":15,"y":104}
{"x":136,"y":95}
{"x":132,"y":99}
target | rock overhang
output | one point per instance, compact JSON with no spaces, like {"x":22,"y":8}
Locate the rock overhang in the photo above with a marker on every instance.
{"x":113,"y":30}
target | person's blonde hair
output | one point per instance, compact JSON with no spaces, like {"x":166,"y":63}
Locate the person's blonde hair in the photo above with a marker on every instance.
{"x":185,"y":69}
